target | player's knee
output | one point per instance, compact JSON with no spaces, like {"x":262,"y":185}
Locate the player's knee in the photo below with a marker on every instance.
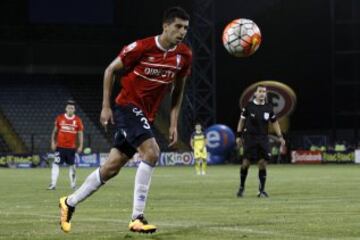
{"x":245,"y":164}
{"x":152,"y":155}
{"x":262,"y":164}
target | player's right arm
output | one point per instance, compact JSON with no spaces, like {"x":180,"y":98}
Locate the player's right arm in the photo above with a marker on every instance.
{"x":240,"y":126}
{"x":53,"y":137}
{"x":192,"y":141}
{"x":106,"y":112}
{"x":277,"y":129}
{"x":128,"y":56}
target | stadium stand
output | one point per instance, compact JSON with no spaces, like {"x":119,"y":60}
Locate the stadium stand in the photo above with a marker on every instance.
{"x":3,"y":146}
{"x":31,"y":103}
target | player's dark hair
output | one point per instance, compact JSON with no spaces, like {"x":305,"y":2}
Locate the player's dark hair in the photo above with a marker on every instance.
{"x":70,"y":102}
{"x":259,"y":86}
{"x":175,"y":12}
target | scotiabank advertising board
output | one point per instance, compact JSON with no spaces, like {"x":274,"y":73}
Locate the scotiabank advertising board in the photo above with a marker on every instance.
{"x":304,"y":156}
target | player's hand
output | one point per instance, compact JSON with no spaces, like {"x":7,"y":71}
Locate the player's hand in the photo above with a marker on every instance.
{"x":239,"y":142}
{"x":79,"y":150}
{"x":173,"y":136}
{"x":106,"y":116}
{"x":53,"y":146}
{"x":282,"y":141}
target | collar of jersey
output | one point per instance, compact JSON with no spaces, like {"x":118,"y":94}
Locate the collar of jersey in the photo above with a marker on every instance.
{"x":69,"y":118}
{"x":161,"y":47}
{"x":257,"y":103}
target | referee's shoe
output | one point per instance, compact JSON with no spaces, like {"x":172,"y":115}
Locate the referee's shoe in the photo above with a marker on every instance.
{"x":240,"y":193}
{"x":262,"y":194}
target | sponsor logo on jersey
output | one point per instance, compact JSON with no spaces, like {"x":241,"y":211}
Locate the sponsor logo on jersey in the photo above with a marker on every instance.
{"x":158,"y":72}
{"x":67,"y":128}
{"x":281,"y":96}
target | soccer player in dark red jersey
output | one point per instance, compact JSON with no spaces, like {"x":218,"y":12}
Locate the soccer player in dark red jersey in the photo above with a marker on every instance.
{"x":67,"y":128}
{"x":153,"y":67}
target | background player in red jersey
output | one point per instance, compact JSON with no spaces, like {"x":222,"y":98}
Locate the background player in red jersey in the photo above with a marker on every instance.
{"x":153,"y":67}
{"x":67,"y":127}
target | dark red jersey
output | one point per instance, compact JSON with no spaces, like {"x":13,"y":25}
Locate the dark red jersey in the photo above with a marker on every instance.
{"x":150,"y":71}
{"x":68,"y":128}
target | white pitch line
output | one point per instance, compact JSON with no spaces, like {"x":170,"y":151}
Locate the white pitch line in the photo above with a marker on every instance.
{"x":207,"y":226}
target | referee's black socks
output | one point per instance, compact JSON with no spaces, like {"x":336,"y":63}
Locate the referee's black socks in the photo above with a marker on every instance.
{"x":243,"y":175}
{"x":262,"y":179}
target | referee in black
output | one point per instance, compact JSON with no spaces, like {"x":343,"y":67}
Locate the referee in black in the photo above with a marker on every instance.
{"x":252,"y":132}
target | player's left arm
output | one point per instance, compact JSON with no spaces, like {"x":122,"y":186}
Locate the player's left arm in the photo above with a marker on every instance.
{"x":277,"y":129}
{"x":80,"y":141}
{"x":176,"y":100}
{"x":240,"y":126}
{"x":80,"y":135}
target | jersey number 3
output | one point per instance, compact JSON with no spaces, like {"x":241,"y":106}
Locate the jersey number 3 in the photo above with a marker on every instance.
{"x":146,"y":123}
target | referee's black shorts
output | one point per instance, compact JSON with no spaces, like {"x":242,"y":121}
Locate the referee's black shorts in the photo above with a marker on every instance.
{"x":256,"y":147}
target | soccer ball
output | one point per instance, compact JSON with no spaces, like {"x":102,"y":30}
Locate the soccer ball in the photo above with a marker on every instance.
{"x":241,"y":37}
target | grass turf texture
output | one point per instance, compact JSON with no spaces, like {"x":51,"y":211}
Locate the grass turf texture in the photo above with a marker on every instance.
{"x":306,"y":202}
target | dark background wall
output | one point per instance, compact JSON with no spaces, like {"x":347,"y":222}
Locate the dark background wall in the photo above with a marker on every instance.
{"x":296,"y":47}
{"x":295,"y":50}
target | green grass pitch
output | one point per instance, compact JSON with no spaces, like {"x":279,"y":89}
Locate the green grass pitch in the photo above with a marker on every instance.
{"x":306,"y":202}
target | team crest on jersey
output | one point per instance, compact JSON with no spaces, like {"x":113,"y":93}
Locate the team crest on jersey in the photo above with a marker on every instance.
{"x":266,"y":116}
{"x":151,"y":59}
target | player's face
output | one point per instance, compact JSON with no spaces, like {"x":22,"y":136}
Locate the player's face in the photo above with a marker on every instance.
{"x":198,"y":128}
{"x":70,"y":110}
{"x":260,"y":93}
{"x":175,"y":31}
